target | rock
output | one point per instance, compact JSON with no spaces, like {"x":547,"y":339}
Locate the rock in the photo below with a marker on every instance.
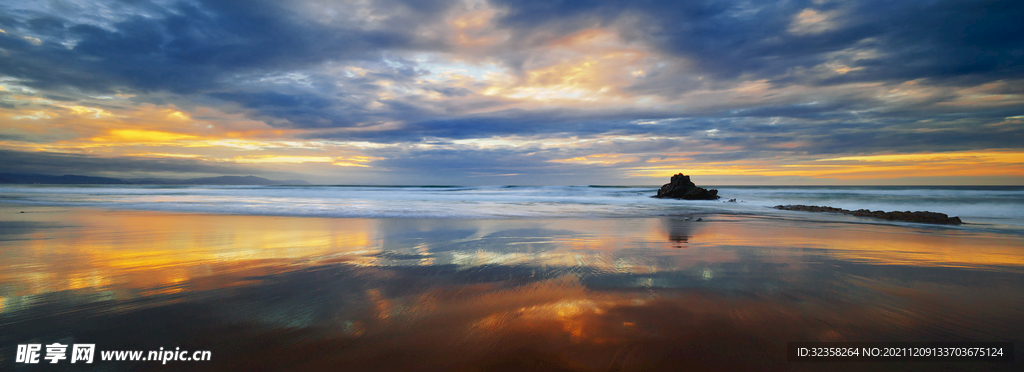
{"x":732,"y":200}
{"x":682,"y":188}
{"x":920,"y":217}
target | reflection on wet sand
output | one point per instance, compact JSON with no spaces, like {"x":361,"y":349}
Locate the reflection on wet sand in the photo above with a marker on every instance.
{"x":269,"y":293}
{"x":679,"y":231}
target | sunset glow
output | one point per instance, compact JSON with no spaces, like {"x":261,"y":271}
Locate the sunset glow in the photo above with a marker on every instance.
{"x":511,"y":185}
{"x":472,"y":87}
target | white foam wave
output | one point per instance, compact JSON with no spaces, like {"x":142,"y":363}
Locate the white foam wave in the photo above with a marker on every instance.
{"x":1002,"y":205}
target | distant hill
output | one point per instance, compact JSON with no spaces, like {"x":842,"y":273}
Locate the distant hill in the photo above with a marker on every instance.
{"x":222,"y":180}
{"x":59,"y":180}
{"x":70,"y":179}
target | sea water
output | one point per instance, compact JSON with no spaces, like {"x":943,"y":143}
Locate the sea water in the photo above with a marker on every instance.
{"x":502,"y":278}
{"x":992,"y":207}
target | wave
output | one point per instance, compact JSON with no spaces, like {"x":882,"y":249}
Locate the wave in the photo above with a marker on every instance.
{"x":991,"y":205}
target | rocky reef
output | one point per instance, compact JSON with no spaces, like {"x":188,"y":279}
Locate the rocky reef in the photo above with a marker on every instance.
{"x":681,"y":187}
{"x":920,"y":217}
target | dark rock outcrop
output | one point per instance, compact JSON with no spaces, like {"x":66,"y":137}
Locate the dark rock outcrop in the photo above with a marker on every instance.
{"x":920,"y":217}
{"x":682,"y":188}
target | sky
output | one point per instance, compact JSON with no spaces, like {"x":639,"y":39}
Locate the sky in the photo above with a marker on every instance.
{"x":546,"y":92}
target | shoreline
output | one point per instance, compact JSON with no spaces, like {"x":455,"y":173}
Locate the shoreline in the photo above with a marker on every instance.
{"x":574,"y":289}
{"x":735,"y":228}
{"x":758,"y":212}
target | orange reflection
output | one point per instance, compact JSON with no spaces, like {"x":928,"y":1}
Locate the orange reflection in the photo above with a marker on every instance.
{"x":164,"y":253}
{"x":878,"y":244}
{"x":374,"y":308}
{"x":142,"y":253}
{"x":558,"y":324}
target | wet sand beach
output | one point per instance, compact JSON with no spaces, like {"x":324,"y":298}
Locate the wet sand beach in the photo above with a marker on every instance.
{"x":559,"y":294}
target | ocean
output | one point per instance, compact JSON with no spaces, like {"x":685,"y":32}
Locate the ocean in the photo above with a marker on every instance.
{"x":502,"y":278}
{"x":992,"y":207}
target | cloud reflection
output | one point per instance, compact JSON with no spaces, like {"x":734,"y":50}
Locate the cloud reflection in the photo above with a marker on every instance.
{"x":586,"y":295}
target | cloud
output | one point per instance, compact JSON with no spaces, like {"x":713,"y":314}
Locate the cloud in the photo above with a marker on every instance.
{"x":189,"y":47}
{"x":940,"y":40}
{"x":60,"y":164}
{"x":810,"y":21}
{"x":447,"y":87}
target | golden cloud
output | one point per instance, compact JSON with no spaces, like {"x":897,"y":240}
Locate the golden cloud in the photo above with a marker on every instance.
{"x":599,"y":159}
{"x":889,"y":166}
{"x":141,"y":135}
{"x":810,"y":21}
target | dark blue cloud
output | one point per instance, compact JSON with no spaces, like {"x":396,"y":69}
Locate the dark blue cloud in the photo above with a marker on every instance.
{"x":224,"y":52}
{"x":190,"y":48}
{"x":936,"y":39}
{"x":545,"y":123}
{"x":61,"y":163}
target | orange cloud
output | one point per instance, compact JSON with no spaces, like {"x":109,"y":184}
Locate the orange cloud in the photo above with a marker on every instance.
{"x":591,"y":65}
{"x":973,"y":157}
{"x":288,"y":159}
{"x":164,"y":155}
{"x":973,"y":163}
{"x":810,"y":21}
{"x":341,"y":161}
{"x":601,"y":159}
{"x":141,"y":135}
{"x":472,"y":29}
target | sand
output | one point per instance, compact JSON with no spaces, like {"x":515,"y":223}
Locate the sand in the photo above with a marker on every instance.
{"x":289,"y":293}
